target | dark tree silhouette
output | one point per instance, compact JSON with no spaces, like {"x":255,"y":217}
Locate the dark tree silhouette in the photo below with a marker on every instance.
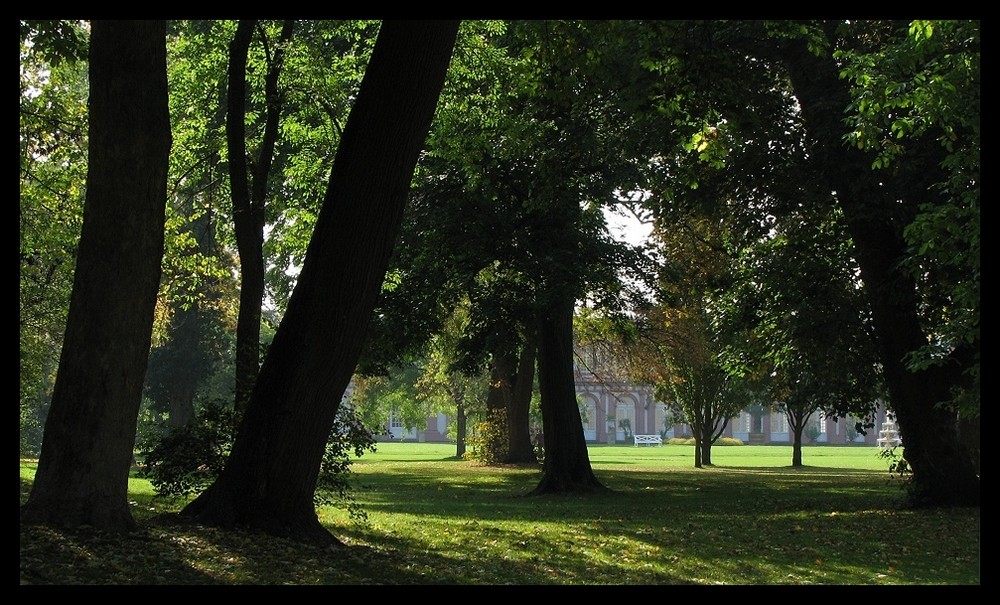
{"x":269,"y":480}
{"x":943,"y":473}
{"x":82,"y":476}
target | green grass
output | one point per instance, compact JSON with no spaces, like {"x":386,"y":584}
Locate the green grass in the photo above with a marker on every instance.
{"x":434,"y":519}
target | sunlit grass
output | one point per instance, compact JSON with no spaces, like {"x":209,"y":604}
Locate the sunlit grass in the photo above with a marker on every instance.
{"x":434,"y":519}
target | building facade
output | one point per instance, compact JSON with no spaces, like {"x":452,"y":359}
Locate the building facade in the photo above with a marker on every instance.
{"x":613,"y":409}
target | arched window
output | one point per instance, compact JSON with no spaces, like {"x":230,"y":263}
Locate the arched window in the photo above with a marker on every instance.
{"x":625,"y":415}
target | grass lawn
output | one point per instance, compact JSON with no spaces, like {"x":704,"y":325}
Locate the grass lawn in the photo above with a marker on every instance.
{"x":433,"y":519}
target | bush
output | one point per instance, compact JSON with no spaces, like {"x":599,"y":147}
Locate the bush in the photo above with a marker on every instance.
{"x":691,"y":441}
{"x":186,"y":460}
{"x":812,"y":433}
{"x":31,"y":433}
{"x":333,"y":486}
{"x":488,"y":443}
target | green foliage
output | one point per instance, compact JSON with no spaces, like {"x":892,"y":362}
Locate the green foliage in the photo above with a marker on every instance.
{"x":186,"y":460}
{"x":376,"y":399}
{"x":693,"y":441}
{"x":56,"y":40}
{"x":812,"y":433}
{"x":348,"y":441}
{"x":151,"y":425}
{"x":916,"y":106}
{"x":488,"y":442}
{"x":30,"y":435}
{"x":183,"y":461}
{"x":898,"y":467}
{"x":53,"y":144}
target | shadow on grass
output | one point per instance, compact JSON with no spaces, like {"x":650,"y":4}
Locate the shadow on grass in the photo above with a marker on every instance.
{"x":447,"y":523}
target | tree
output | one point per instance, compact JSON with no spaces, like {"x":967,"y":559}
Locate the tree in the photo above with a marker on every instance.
{"x":82,"y":476}
{"x":445,"y":387}
{"x":196,"y":344}
{"x":289,"y":96}
{"x":678,"y":351}
{"x":379,"y":399}
{"x":877,"y":205}
{"x":269,"y":480}
{"x":457,"y":246}
{"x":811,"y":330}
{"x":781,"y":91}
{"x":249,"y":189}
{"x":548,"y":184}
{"x":491,"y":206}
{"x":925,"y":86}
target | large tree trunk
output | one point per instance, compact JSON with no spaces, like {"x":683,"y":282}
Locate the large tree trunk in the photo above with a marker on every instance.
{"x":519,"y":447}
{"x":89,"y":436}
{"x":567,"y":463}
{"x":269,"y":480}
{"x":942,"y":472}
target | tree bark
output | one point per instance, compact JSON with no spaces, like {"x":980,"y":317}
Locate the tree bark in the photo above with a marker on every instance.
{"x":248,"y":219}
{"x":269,"y":480}
{"x":943,"y":474}
{"x":797,"y":448}
{"x":567,"y":463}
{"x":249,"y":196}
{"x":698,"y":450}
{"x":461,"y":428}
{"x":498,"y":403}
{"x":703,"y":440}
{"x":796,"y":423}
{"x":706,"y":452}
{"x":519,"y":447}
{"x":82,"y":476}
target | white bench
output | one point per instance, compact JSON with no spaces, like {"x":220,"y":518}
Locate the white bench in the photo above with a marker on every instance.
{"x":650,"y":439}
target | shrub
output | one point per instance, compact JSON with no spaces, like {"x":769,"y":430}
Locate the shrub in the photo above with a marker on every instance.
{"x":691,"y":441}
{"x":333,"y":486}
{"x":899,"y":468}
{"x":186,"y":460}
{"x":812,"y":433}
{"x":31,"y":432}
{"x":488,"y":443}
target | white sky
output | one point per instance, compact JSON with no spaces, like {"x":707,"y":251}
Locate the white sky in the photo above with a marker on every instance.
{"x":626,"y":227}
